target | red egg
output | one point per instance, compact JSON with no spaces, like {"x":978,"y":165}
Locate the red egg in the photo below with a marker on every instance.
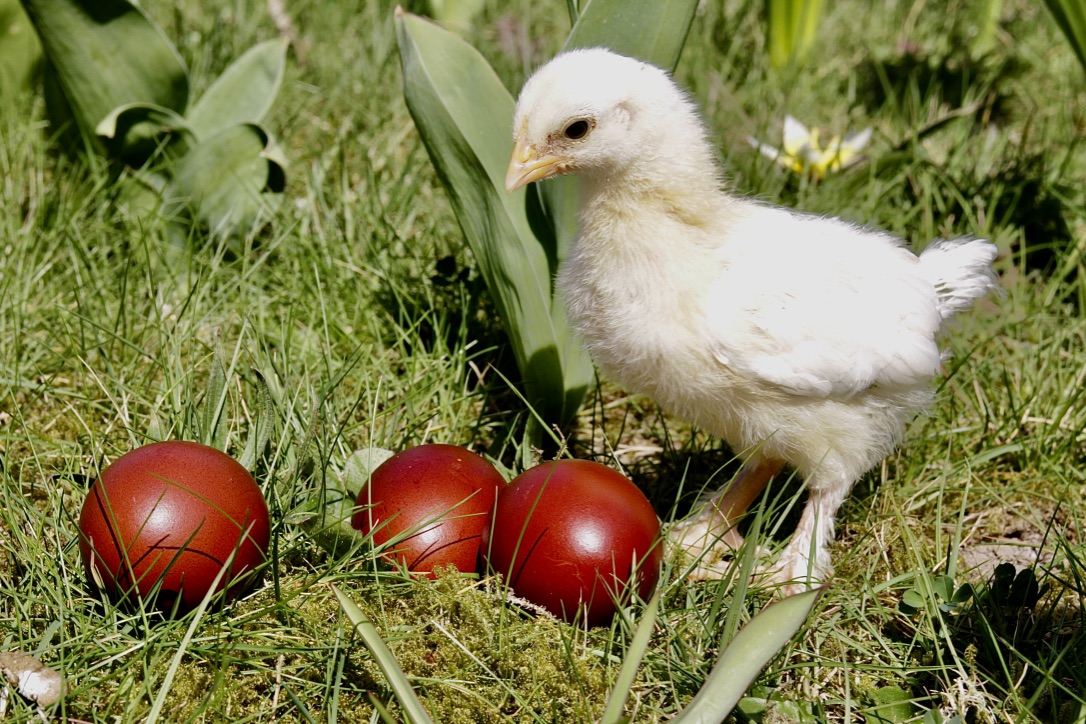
{"x":171,"y":513}
{"x":573,"y":533}
{"x":433,"y":502}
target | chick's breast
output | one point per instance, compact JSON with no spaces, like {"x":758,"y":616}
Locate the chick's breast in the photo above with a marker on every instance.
{"x":636,"y":296}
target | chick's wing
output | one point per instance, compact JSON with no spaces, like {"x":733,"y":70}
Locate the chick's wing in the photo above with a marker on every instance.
{"x":821,"y":308}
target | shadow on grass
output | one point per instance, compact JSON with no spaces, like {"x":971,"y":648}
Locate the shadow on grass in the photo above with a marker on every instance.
{"x":913,"y":80}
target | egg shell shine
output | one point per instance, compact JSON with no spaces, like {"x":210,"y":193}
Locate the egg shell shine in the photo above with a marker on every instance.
{"x":440,"y":497}
{"x":568,"y":532}
{"x":173,"y":511}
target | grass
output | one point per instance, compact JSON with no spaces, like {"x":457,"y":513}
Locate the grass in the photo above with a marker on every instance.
{"x":361,"y":312}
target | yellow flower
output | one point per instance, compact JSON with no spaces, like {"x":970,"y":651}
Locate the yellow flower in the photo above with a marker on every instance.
{"x":804,"y":153}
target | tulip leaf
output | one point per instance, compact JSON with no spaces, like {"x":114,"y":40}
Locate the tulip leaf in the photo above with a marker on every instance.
{"x":457,"y":15}
{"x":739,"y":664}
{"x":20,"y":51}
{"x":650,"y":30}
{"x":106,"y":54}
{"x":1070,"y":15}
{"x":464,"y":116}
{"x":244,"y":92}
{"x":138,"y":132}
{"x":222,"y":180}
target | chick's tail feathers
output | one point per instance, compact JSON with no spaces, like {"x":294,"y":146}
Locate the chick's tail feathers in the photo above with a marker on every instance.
{"x":960,"y":270}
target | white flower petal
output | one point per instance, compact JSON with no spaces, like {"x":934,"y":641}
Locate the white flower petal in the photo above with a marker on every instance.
{"x":795,"y":135}
{"x":764,"y":148}
{"x":856,"y":142}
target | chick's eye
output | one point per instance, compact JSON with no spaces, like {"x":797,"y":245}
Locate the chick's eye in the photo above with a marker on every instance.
{"x":576,"y":130}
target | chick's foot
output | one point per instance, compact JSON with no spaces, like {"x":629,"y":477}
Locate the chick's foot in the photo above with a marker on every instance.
{"x":712,"y":533}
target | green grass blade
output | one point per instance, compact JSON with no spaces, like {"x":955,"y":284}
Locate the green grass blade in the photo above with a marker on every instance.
{"x":263,"y":424}
{"x":745,"y":657}
{"x":464,"y":115}
{"x":245,"y":91}
{"x":1070,"y":15}
{"x":405,"y":693}
{"x":183,"y":647}
{"x":107,"y":53}
{"x":616,"y":702}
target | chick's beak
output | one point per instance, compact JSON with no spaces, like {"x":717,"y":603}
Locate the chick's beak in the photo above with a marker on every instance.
{"x":526,"y":166}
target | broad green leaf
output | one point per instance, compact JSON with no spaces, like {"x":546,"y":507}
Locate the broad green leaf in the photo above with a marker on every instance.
{"x":892,"y":704}
{"x":20,"y":51}
{"x":745,"y":656}
{"x":223,"y":180}
{"x":327,"y":515}
{"x":106,"y":54}
{"x":244,"y":92}
{"x":361,"y":464}
{"x":651,"y":30}
{"x":458,"y":15}
{"x":138,"y":132}
{"x":464,"y":116}
{"x":371,"y":637}
{"x":791,"y":26}
{"x":1070,"y":15}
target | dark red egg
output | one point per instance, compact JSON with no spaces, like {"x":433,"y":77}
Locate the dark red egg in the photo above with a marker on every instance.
{"x":573,"y":533}
{"x":433,"y":503}
{"x":168,"y":515}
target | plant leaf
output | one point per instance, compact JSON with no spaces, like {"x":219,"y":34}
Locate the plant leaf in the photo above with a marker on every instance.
{"x":139,"y":132}
{"x":263,"y":423}
{"x":244,"y":92}
{"x":652,"y":30}
{"x":464,"y":115}
{"x":106,"y":54}
{"x":20,"y":51}
{"x":892,"y":704}
{"x":748,"y":653}
{"x":1070,"y":15}
{"x":405,"y":693}
{"x":222,"y":180}
{"x":361,"y":464}
{"x":616,"y":702}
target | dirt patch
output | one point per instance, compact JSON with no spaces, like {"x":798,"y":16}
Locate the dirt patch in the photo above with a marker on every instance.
{"x":1012,"y":539}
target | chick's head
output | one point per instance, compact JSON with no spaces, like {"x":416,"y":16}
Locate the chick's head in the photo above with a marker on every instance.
{"x":593,"y":113}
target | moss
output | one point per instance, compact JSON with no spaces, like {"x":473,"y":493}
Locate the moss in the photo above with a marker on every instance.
{"x":474,"y":650}
{"x":472,"y":657}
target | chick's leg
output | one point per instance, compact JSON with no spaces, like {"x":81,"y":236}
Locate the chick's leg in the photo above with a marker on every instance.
{"x":715,"y":524}
{"x":805,"y":561}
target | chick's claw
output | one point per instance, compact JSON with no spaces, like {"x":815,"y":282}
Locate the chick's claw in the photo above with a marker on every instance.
{"x":712,"y":534}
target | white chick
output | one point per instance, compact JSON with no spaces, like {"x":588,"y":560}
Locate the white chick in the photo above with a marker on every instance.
{"x":800,"y":340}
